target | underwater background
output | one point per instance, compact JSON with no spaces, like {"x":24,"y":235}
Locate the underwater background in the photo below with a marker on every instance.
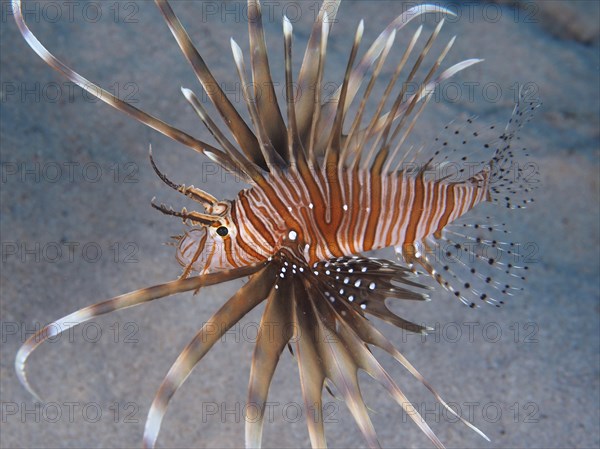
{"x":77,"y":227}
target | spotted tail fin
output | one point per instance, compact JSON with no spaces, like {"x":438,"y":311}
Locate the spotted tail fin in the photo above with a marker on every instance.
{"x":512,"y":177}
{"x":475,"y":257}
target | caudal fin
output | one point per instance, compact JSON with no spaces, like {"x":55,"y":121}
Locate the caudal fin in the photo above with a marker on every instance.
{"x":512,"y":177}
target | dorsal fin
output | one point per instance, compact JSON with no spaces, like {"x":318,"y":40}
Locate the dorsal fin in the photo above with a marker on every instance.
{"x":213,"y":153}
{"x":264,"y":92}
{"x":334,"y":144}
{"x":241,"y":164}
{"x":295,"y":148}
{"x":359,"y":73}
{"x":309,"y":84}
{"x":359,"y":114}
{"x":313,"y":131}
{"x":414,"y":99}
{"x":240,"y":130}
{"x":271,"y":155}
{"x":381,"y":138}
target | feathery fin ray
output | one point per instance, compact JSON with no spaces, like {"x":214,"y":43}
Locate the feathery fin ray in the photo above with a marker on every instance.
{"x":114,"y":101}
{"x":244,"y":300}
{"x":118,"y":303}
{"x":240,"y":130}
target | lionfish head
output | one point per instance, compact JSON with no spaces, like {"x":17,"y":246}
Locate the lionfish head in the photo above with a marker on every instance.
{"x":215,"y":247}
{"x":212,"y":243}
{"x":203,"y":248}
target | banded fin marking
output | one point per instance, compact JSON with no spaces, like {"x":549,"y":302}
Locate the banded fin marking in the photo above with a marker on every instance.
{"x":265,"y":140}
{"x":335,"y":356}
{"x":309,"y":79}
{"x":248,"y":171}
{"x":313,"y":132}
{"x":363,"y":102}
{"x":359,"y":140}
{"x":365,"y":360}
{"x":334,"y":143}
{"x":401,"y":104}
{"x":310,"y":366}
{"x":370,"y":335}
{"x":295,"y":148}
{"x":359,"y":73}
{"x":341,"y":335}
{"x":268,"y":112}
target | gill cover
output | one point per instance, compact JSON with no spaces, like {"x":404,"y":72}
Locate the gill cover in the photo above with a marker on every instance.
{"x":209,"y":248}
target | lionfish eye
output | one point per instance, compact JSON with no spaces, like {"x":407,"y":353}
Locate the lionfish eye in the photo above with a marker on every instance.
{"x":222,"y":231}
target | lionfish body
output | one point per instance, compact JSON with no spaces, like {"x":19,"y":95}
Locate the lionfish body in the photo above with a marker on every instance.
{"x":393,"y":210}
{"x":326,"y":188}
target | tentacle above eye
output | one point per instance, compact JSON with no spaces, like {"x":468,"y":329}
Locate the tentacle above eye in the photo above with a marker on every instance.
{"x":117,"y":303}
{"x":204,"y":198}
{"x":244,"y":300}
{"x":196,"y":217}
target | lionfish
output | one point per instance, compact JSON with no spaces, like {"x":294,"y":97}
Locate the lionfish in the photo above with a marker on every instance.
{"x":323,"y":192}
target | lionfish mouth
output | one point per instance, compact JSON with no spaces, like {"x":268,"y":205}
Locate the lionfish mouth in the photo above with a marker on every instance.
{"x":320,"y":309}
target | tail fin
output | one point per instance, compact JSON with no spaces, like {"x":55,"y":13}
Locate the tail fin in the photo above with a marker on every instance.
{"x":512,"y":177}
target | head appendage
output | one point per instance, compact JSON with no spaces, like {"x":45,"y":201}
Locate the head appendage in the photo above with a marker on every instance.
{"x":194,"y":217}
{"x":204,"y":198}
{"x":212,"y":206}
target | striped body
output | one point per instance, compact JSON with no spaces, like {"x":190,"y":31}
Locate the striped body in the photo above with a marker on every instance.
{"x":365,"y":212}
